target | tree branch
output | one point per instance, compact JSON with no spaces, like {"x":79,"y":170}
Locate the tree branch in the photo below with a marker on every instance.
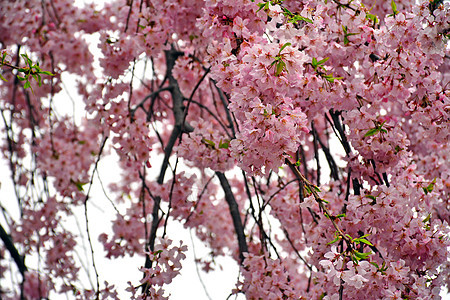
{"x":235,"y":215}
{"x":18,"y":259}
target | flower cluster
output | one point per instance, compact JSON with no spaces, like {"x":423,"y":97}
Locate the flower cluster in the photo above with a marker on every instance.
{"x":265,"y":278}
{"x":207,"y":148}
{"x":167,"y":265}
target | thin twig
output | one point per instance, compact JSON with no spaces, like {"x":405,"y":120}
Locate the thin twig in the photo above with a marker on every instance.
{"x":86,"y":214}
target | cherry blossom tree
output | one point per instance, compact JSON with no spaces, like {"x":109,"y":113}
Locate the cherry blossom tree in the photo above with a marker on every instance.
{"x":307,"y":140}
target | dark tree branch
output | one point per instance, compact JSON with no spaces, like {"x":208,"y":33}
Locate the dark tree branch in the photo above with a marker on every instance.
{"x":191,"y":96}
{"x":178,"y":112}
{"x":177,"y":108}
{"x":316,"y":151}
{"x":235,"y":215}
{"x":18,"y":259}
{"x":336,"y":124}
{"x":225,"y":106}
{"x":149,"y":96}
{"x":328,"y":156}
{"x":340,"y":129}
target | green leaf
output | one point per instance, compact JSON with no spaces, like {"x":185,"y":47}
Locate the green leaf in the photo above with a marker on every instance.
{"x":394,"y":6}
{"x":298,"y":162}
{"x":371,"y":17}
{"x":316,"y":188}
{"x":330,"y":78}
{"x":346,"y":41}
{"x":27,"y":59}
{"x":365,"y":241}
{"x":398,"y":149}
{"x":344,"y":28}
{"x":264,"y":5}
{"x":336,"y":239}
{"x":371,"y":197}
{"x":297,"y":18}
{"x":39,"y":80}
{"x":430,"y":187}
{"x":275,"y":61}
{"x":361,"y":256}
{"x":372,"y":131}
{"x":306,"y":20}
{"x":287,"y":12}
{"x":79,"y":185}
{"x":27,"y":85}
{"x":428,"y":218}
{"x":284,"y":46}
{"x":210,"y":143}
{"x":3,"y":78}
{"x":321,"y":62}
{"x":224,"y":145}
{"x":340,"y":216}
{"x":47,"y":73}
{"x":308,"y":190}
{"x":280,"y":67}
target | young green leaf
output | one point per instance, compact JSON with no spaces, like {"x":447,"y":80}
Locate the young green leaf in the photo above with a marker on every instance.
{"x":79,"y":185}
{"x":224,"y":145}
{"x":428,"y":218}
{"x":365,"y":241}
{"x":430,"y":187}
{"x":314,"y":63}
{"x":394,"y":7}
{"x":372,"y":131}
{"x":280,"y":67}
{"x":209,"y":143}
{"x":47,"y":73}
{"x":337,"y":237}
{"x":361,"y":256}
{"x":340,"y":216}
{"x":284,"y":46}
{"x":371,"y":197}
{"x":321,"y":62}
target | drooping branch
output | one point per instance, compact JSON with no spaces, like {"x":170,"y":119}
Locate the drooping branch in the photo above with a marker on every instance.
{"x":102,"y":147}
{"x":312,"y":188}
{"x":328,"y":156}
{"x":177,"y":108}
{"x":225,"y":105}
{"x":337,"y":125}
{"x":235,"y":215}
{"x":179,"y":126}
{"x":18,"y":259}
